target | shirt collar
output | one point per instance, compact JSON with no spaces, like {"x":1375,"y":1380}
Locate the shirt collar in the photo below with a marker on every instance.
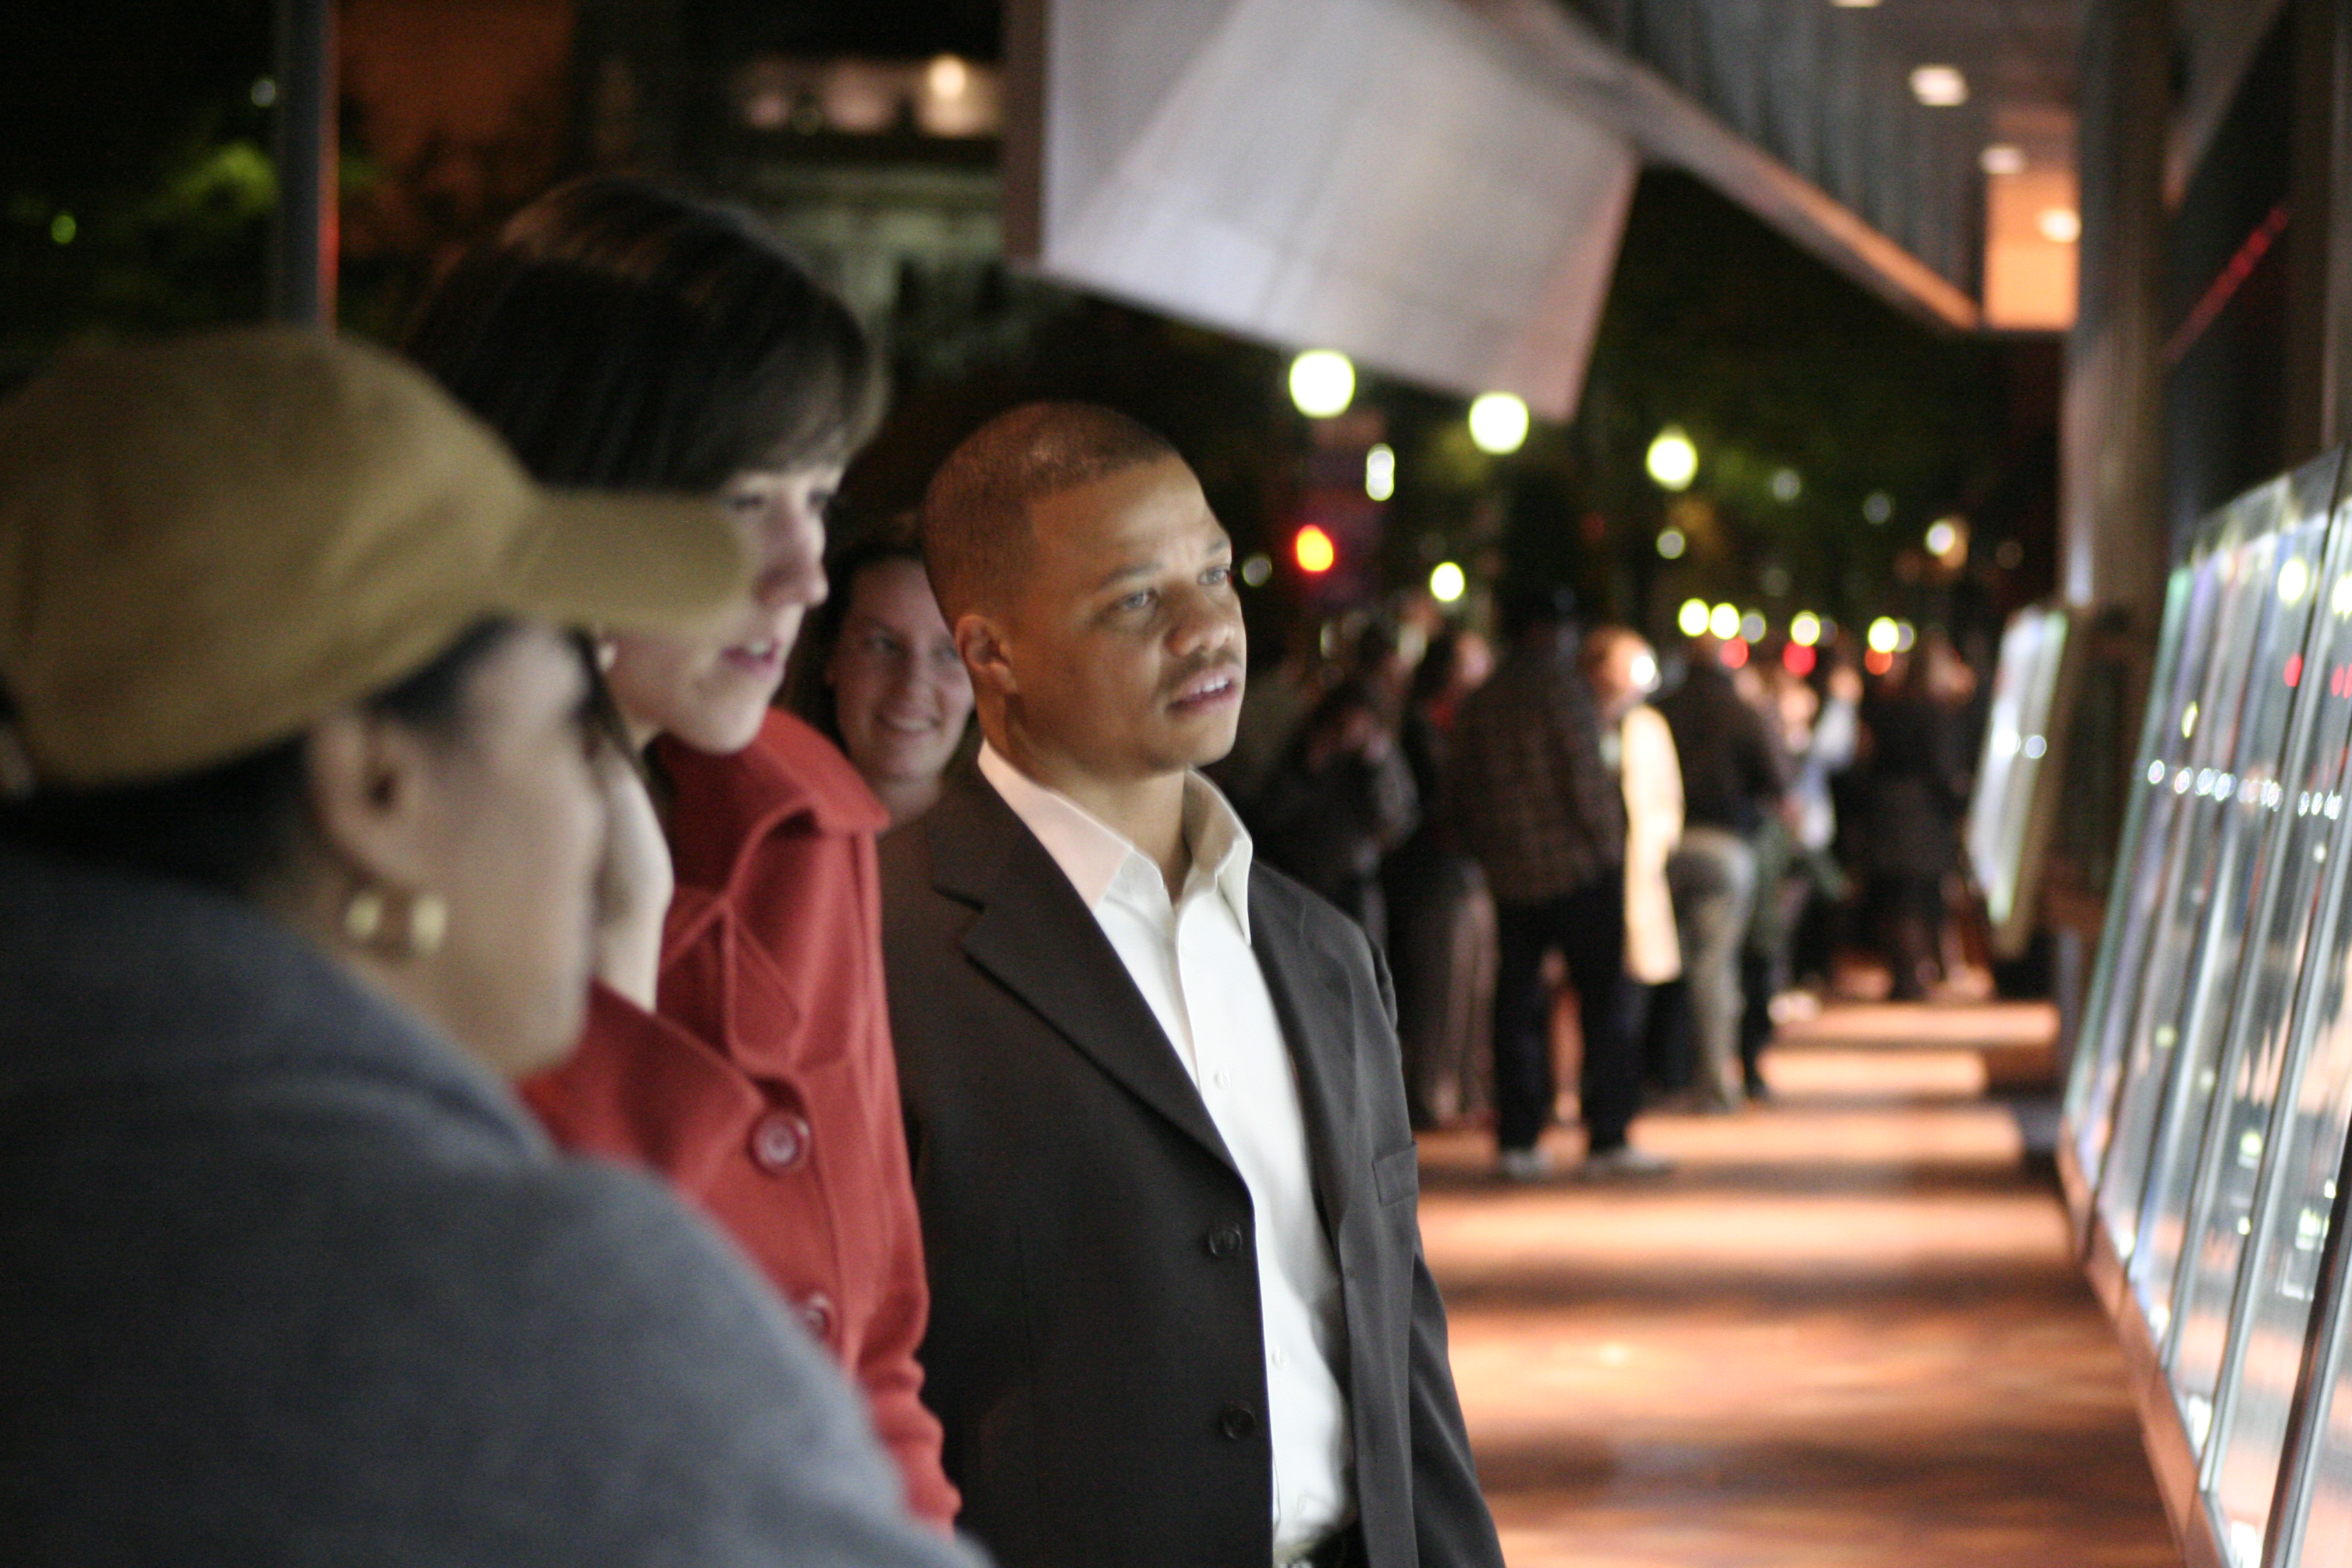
{"x":1092,"y":852}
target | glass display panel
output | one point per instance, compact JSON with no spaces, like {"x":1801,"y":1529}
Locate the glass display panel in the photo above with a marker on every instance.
{"x":2190,"y":597}
{"x":2203,"y":843}
{"x":2318,"y":1526}
{"x":2288,"y":1229}
{"x":2203,"y":1179}
{"x":2016,"y":745}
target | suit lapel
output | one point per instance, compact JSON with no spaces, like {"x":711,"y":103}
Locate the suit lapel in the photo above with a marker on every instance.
{"x":1038,"y":941}
{"x":1312,"y":1001}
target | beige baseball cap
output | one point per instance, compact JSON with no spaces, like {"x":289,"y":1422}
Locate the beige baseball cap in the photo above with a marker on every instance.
{"x":207,"y":542}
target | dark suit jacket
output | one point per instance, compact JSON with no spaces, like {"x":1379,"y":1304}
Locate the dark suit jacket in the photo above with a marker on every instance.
{"x":1093,"y":1348}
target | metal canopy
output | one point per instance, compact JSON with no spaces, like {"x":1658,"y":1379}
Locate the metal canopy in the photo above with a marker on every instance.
{"x":1839,"y":150}
{"x":1438,"y":187}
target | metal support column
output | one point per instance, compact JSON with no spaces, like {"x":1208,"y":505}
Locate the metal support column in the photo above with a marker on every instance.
{"x":303,"y":245}
{"x":2319,"y":238}
{"x":2112,"y":547}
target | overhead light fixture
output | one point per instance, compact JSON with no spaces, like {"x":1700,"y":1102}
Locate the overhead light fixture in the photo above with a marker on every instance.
{"x":1692,"y":618}
{"x":1855,"y":5}
{"x":1939,"y":86}
{"x":1673,"y":461}
{"x":2001,"y":158}
{"x":1787,"y":485}
{"x":2059,"y":225}
{"x":1877,"y":507}
{"x":1672,"y":542}
{"x":1380,"y":472}
{"x":1498,"y":423}
{"x":1448,"y":581}
{"x":1883,"y":634}
{"x":1805,"y":628}
{"x":1724,"y":621}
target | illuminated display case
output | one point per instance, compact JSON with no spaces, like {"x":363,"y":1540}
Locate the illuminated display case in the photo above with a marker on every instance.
{"x":2018,"y":778}
{"x":2211,"y":1094}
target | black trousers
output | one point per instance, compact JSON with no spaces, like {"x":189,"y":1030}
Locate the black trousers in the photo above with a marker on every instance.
{"x":1587,"y":927}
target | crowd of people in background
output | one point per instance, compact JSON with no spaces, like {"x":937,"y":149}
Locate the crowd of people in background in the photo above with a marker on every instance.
{"x":407,"y":772}
{"x":1591,"y":850}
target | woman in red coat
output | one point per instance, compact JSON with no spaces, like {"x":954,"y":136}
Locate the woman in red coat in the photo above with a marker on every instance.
{"x":623,"y":338}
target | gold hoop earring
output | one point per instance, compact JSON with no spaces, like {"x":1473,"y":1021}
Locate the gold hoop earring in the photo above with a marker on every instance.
{"x":428,"y":923}
{"x":364,"y":916}
{"x":367,"y":916}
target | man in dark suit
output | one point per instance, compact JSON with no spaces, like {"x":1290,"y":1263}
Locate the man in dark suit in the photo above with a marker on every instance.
{"x":1179,"y":1317}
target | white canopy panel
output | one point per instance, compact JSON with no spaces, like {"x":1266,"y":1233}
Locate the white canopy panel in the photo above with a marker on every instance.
{"x":1369,"y":176}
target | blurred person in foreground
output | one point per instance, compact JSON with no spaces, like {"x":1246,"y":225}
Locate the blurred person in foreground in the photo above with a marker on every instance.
{"x":1442,"y":920}
{"x":1639,"y":747}
{"x":1733,"y":775}
{"x":1530,"y":798}
{"x":623,"y":338}
{"x":1180,"y":1311}
{"x":304,"y":819}
{"x":877,"y":673}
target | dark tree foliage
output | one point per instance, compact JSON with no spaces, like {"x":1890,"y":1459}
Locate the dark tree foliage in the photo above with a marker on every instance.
{"x":135,"y":183}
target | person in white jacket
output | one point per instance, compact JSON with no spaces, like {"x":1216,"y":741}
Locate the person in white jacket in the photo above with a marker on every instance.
{"x":1622,"y":670}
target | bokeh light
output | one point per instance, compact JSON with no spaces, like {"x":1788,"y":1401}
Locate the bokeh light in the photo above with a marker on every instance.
{"x":1673,"y":461}
{"x":1499,"y":423}
{"x":1314,"y":551}
{"x":1322,"y":382}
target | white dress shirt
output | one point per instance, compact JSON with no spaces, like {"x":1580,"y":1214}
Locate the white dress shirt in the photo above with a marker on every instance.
{"x":1192,"y":960}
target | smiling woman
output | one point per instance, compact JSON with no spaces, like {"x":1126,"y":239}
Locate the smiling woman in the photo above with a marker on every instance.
{"x":878,"y":674}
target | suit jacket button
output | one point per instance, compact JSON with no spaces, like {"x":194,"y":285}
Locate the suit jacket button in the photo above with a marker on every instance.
{"x":779,"y":1141}
{"x":1238,"y":1421}
{"x":1224,"y":1241}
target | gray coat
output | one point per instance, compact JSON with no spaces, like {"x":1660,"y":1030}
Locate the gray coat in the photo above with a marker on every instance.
{"x":285,"y":1280}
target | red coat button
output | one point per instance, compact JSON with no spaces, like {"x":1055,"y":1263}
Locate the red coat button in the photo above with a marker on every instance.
{"x":779,"y":1141}
{"x":816,"y":1315}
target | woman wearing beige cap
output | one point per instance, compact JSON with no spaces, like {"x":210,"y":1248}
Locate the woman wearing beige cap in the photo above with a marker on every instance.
{"x":622,"y":337}
{"x":299,"y":852}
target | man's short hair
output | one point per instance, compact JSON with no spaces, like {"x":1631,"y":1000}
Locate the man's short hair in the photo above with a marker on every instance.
{"x":975,"y":521}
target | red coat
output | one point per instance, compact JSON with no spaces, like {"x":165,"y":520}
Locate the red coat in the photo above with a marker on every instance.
{"x":765,"y":1087}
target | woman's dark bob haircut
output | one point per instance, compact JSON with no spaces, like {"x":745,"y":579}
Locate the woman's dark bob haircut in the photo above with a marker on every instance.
{"x":622,"y":337}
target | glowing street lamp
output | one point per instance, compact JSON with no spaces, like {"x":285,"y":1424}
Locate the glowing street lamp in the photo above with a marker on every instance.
{"x":1322,"y":382}
{"x":1692,"y":618}
{"x":1673,"y":461}
{"x":1498,"y":423}
{"x":1724,"y":622}
{"x":1447,"y":582}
